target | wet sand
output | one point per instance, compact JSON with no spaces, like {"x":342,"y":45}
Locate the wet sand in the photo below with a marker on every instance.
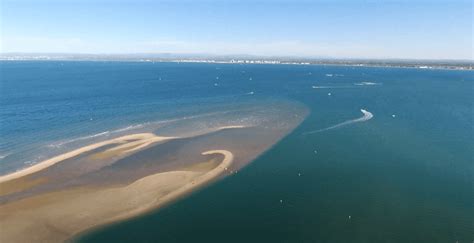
{"x":54,"y":217}
{"x":123,"y":177}
{"x":132,"y":142}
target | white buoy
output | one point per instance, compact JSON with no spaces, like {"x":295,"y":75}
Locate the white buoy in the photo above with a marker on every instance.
{"x":315,"y":151}
{"x":349,"y":217}
{"x":281,"y":201}
{"x":393,"y":115}
{"x":299,"y":174}
{"x":215,"y":84}
{"x":329,"y":94}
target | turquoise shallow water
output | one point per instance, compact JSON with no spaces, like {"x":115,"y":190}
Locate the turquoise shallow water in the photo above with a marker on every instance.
{"x":406,"y":175}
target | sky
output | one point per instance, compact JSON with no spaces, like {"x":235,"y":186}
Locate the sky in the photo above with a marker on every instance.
{"x":419,"y":29}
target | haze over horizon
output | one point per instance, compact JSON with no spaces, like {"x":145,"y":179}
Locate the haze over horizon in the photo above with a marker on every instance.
{"x":340,"y":29}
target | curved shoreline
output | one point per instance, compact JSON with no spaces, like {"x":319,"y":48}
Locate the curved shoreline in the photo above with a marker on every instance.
{"x":56,"y":214}
{"x":172,"y":196}
{"x":75,"y":211}
{"x":146,"y":137}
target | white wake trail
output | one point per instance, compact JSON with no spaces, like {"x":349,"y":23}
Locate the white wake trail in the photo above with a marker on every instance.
{"x":367,"y":116}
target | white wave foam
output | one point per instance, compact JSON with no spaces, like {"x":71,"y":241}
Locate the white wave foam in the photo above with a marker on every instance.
{"x":367,"y":116}
{"x":59,"y":144}
{"x":132,"y":127}
{"x":367,"y":84}
{"x":331,"y":87}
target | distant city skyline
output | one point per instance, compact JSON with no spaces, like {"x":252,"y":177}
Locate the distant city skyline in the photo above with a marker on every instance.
{"x":418,"y":29}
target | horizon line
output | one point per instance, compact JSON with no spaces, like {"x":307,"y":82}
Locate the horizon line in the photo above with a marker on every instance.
{"x":209,"y":55}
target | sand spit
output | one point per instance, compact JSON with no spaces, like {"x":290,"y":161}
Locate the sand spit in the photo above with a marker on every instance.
{"x":145,"y":138}
{"x":64,"y":196}
{"x":56,"y":216}
{"x":130,"y":143}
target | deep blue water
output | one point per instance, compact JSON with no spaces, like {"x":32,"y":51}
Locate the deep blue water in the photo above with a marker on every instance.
{"x":406,"y":175}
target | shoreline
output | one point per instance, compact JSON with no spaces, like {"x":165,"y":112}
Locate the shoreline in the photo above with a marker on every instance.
{"x":171,"y":197}
{"x":77,"y":192}
{"x":147,"y":137}
{"x":435,"y":64}
{"x":79,"y":215}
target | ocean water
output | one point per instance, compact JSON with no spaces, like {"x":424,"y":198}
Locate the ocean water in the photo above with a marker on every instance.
{"x":400,"y":170}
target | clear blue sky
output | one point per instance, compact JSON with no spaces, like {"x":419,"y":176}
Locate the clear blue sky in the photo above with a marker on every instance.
{"x":434,"y":29}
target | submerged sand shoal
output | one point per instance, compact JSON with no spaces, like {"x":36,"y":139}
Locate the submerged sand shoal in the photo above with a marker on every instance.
{"x":125,"y":176}
{"x":56,"y":216}
{"x":143,"y":138}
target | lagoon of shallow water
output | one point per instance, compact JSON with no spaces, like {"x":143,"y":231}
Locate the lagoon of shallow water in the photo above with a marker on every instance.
{"x":404,"y":175}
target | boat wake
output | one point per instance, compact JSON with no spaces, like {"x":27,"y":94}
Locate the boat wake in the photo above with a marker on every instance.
{"x":367,"y":116}
{"x":367,"y":84}
{"x":332,"y":87}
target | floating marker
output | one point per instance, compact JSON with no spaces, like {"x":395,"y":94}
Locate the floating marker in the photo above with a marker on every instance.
{"x":299,"y":174}
{"x":281,"y":201}
{"x":315,"y":151}
{"x":393,"y":115}
{"x":329,"y":94}
{"x":349,"y":217}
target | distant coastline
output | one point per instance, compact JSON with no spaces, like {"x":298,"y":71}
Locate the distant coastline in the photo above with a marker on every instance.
{"x":243,"y":59}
